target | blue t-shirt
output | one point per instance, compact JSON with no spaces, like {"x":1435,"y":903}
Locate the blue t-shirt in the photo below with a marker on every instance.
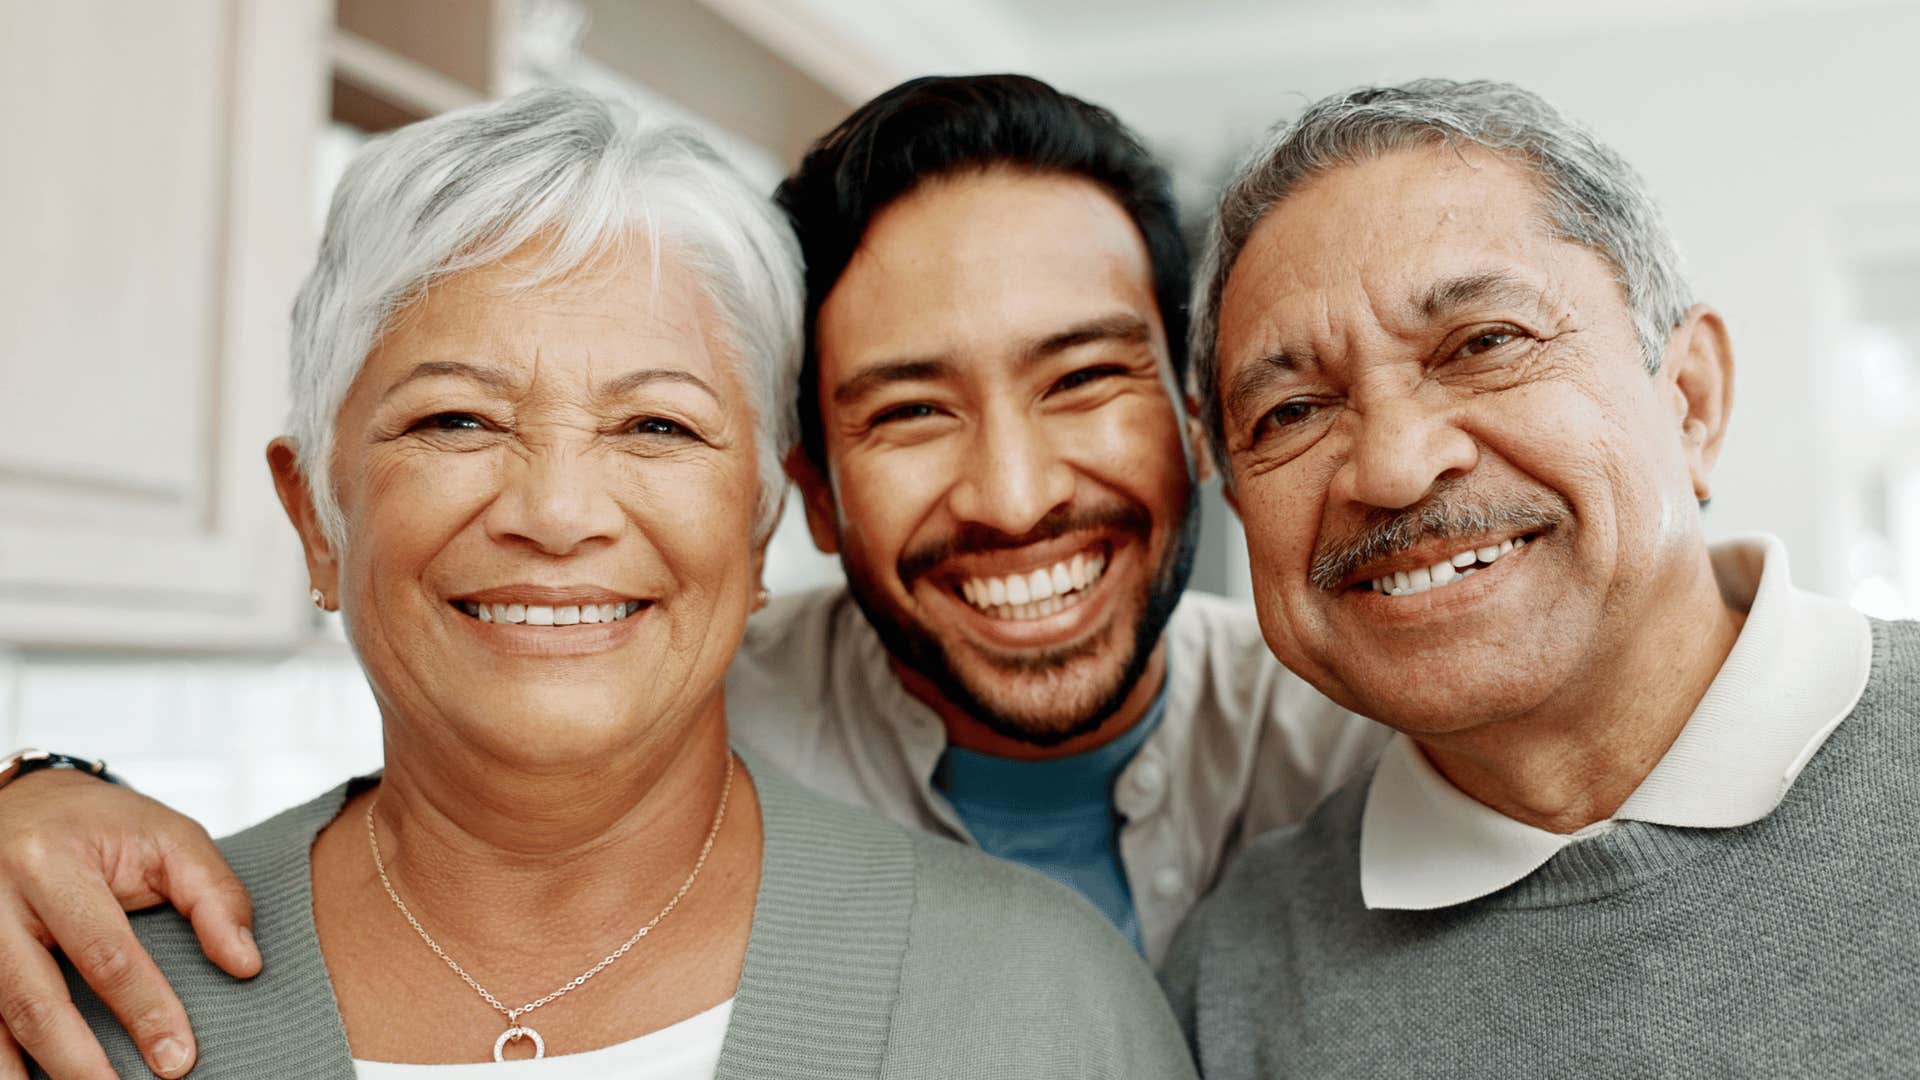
{"x":1054,"y":816}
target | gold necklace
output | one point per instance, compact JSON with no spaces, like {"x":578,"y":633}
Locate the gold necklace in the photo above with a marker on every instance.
{"x":516,"y":1030}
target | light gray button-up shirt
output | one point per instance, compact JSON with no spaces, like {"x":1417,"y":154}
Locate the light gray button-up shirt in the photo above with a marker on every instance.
{"x":1245,"y":746}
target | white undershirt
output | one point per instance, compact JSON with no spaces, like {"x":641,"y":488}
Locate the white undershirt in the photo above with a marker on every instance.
{"x":688,"y":1050}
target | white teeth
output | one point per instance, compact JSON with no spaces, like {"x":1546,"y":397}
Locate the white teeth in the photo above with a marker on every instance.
{"x":1445,"y":572}
{"x":1036,"y":593}
{"x":539,"y":615}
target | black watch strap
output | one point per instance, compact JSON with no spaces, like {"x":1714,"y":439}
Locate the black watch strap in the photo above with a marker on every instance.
{"x":16,"y":765}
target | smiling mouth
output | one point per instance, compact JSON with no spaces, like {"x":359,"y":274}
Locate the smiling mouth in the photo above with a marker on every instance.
{"x":1448,"y":571}
{"x":550,"y":614}
{"x":1038,"y":593}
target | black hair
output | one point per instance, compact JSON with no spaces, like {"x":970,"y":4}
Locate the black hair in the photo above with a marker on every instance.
{"x":943,"y":125}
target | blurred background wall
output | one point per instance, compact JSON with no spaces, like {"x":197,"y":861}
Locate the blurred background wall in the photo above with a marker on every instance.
{"x":167,"y":167}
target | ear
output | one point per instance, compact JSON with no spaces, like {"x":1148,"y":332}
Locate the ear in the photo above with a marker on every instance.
{"x":1699,"y":366}
{"x":816,"y":494}
{"x":323,"y":570}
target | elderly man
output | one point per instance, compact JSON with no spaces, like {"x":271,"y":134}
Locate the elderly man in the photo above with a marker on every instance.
{"x":994,"y":444}
{"x":1650,"y":810}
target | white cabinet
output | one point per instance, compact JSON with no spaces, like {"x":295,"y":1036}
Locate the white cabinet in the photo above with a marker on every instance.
{"x":157,"y":218}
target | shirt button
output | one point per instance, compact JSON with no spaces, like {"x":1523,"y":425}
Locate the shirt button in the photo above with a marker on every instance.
{"x":1168,"y":883}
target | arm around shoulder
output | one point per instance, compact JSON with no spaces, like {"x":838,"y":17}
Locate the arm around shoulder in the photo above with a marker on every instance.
{"x":1011,"y":975}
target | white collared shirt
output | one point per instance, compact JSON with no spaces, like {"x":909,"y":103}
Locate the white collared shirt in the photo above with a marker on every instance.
{"x":1796,"y":671}
{"x":687,"y":1050}
{"x":1244,"y":746}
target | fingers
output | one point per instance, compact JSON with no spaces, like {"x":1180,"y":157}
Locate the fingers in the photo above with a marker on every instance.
{"x":39,"y":1015}
{"x":12,"y":1065}
{"x":84,"y":919}
{"x":197,"y":880}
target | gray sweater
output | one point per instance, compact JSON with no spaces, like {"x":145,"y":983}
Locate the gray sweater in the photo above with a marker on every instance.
{"x":874,"y":952}
{"x":1788,"y":947}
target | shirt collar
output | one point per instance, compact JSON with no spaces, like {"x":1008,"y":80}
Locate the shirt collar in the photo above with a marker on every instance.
{"x":1797,"y":669}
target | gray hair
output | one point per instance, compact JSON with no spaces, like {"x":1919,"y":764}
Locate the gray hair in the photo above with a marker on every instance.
{"x":1590,"y":196}
{"x":468,"y":188}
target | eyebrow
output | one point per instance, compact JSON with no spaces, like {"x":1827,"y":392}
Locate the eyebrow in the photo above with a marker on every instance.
{"x":633,"y":380}
{"x":486,"y":376}
{"x":1122,"y":329}
{"x":1251,"y":381}
{"x":873,"y":378}
{"x":495,"y":379}
{"x":1452,"y":294}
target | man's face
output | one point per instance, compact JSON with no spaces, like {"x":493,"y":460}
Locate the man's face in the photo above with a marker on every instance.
{"x":1008,"y":486}
{"x":1424,"y":391}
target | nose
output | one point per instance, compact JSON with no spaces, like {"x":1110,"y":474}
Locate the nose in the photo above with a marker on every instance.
{"x":1401,"y":448}
{"x":554,"y":501}
{"x":1014,"y":475}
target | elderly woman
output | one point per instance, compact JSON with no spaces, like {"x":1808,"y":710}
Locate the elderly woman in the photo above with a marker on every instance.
{"x":542,"y":386}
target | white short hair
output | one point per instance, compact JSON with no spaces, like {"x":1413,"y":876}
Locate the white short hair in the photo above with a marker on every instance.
{"x":468,"y":188}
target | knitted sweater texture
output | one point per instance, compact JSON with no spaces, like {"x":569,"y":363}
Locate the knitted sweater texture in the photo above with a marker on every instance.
{"x":875,"y":952}
{"x":1788,"y":947}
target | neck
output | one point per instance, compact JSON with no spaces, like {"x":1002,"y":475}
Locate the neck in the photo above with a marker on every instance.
{"x":966,"y":730}
{"x":473,"y":846}
{"x":1575,"y":760}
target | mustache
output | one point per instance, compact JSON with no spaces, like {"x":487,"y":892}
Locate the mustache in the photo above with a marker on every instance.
{"x":973,"y":539}
{"x":1450,"y":511}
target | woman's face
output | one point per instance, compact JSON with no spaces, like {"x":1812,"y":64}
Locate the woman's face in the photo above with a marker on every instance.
{"x":549,"y":496}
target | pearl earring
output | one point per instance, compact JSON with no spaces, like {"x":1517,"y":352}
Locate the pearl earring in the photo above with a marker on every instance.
{"x":319,"y":599}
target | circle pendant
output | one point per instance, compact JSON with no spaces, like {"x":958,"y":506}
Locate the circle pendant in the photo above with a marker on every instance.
{"x":515,"y":1034}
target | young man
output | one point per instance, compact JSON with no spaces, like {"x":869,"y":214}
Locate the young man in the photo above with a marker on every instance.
{"x":995,"y":444}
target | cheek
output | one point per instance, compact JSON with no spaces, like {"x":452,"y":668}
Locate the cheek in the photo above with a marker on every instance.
{"x":683,"y":509}
{"x":1132,"y":445}
{"x":884,"y":494}
{"x":407,"y":504}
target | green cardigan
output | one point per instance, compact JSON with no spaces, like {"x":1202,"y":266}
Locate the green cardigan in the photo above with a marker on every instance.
{"x":875,"y":952}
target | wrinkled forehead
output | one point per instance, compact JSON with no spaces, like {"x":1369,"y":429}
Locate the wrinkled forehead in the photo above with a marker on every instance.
{"x":1386,"y":246}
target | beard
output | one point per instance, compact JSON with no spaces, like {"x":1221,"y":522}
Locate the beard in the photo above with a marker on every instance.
{"x":1081,"y":702}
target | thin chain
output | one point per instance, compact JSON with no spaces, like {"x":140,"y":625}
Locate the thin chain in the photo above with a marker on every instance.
{"x":580,"y":980}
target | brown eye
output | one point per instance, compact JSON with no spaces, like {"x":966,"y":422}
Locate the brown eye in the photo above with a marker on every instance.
{"x":654,"y":425}
{"x":1076,"y":379}
{"x":1486,"y":342}
{"x":449,"y":421}
{"x":904,"y":413}
{"x":1287,"y":414}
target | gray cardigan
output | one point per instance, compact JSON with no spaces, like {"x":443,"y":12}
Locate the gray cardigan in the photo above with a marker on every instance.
{"x":875,"y":952}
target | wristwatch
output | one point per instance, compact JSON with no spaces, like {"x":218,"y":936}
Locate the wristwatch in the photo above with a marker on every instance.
{"x":21,"y":762}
